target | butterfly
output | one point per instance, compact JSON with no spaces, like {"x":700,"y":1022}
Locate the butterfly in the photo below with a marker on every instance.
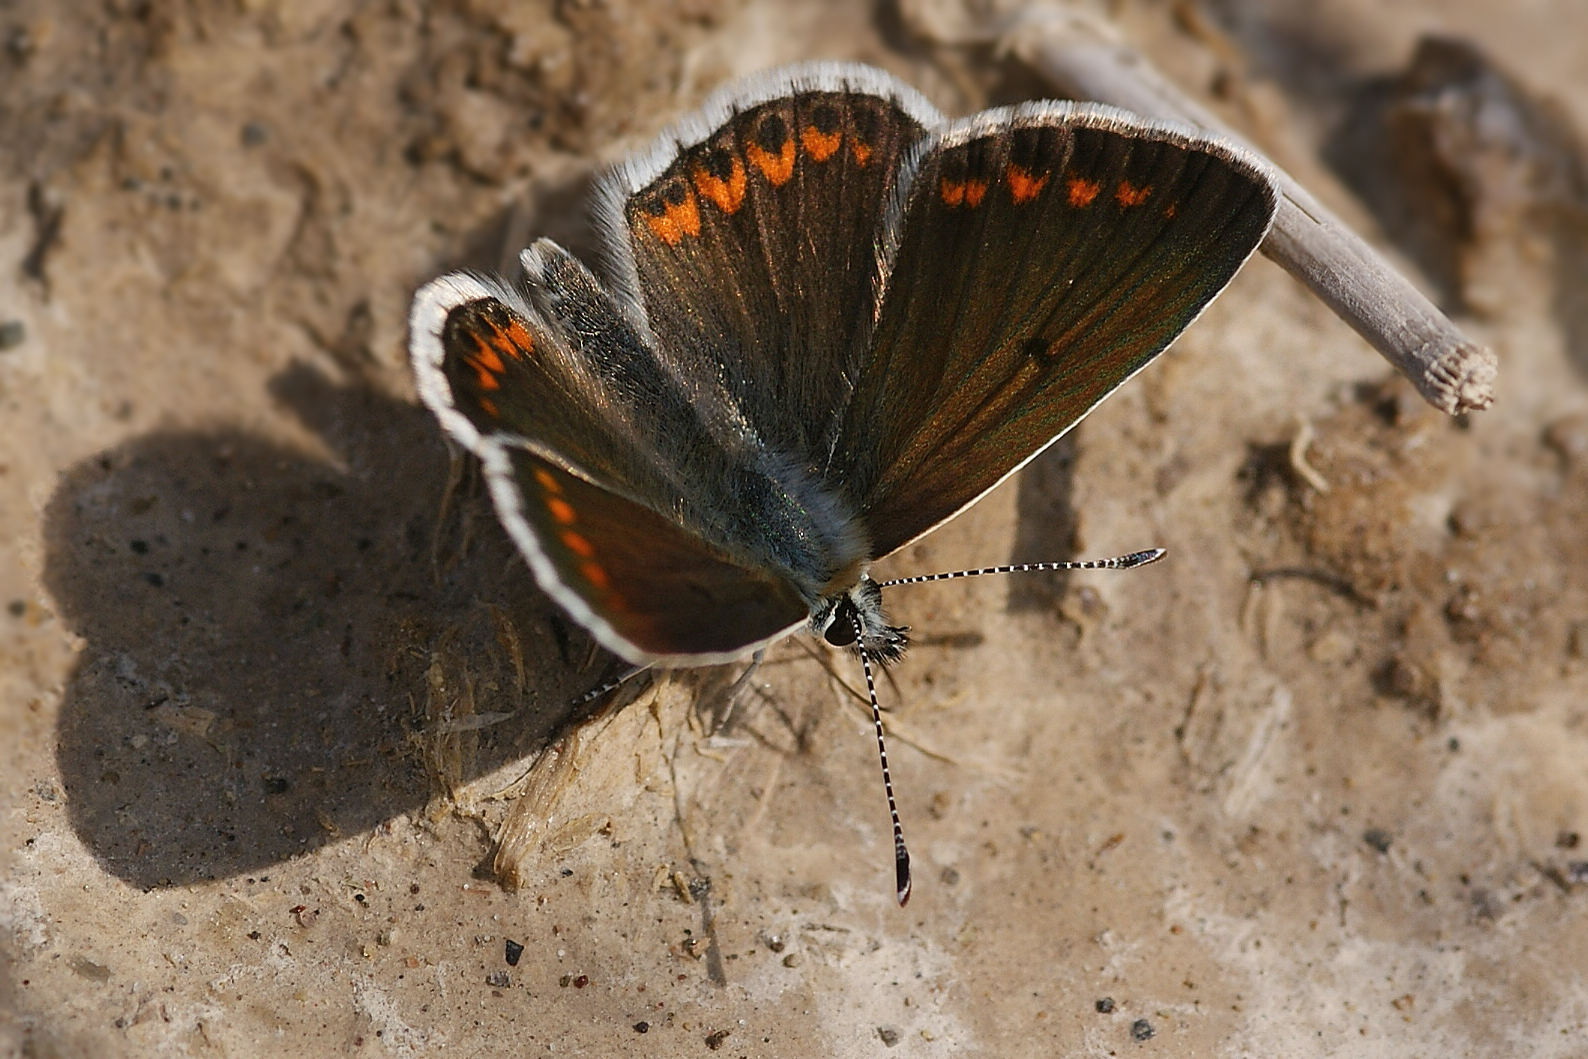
{"x":828,"y":319}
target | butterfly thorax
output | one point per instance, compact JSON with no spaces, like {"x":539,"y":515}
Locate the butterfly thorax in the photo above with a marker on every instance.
{"x":786,"y":518}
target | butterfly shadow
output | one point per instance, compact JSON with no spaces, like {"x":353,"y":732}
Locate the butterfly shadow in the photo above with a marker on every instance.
{"x":1045,"y":527}
{"x":280,"y":649}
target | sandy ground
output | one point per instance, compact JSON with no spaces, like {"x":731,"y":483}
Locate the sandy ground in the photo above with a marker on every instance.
{"x":1312,"y":786}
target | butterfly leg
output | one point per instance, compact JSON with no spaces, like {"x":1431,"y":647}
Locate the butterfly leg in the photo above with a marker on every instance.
{"x":730,"y":697}
{"x":612,"y":685}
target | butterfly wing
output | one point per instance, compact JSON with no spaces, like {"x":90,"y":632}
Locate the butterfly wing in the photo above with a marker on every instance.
{"x":561,"y":419}
{"x":1035,"y":259}
{"x":648,"y":588}
{"x":746,"y":239}
{"x":488,"y":361}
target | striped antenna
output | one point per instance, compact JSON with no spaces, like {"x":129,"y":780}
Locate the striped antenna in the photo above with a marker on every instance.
{"x":1119,"y":562}
{"x":901,"y":853}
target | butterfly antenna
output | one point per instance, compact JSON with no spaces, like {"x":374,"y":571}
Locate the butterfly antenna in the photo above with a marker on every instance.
{"x":1119,"y":562}
{"x":901,"y":853}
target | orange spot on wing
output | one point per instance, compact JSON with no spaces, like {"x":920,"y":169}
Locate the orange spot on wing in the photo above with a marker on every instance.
{"x":1130,"y":195}
{"x":962,"y":192}
{"x":561,"y":510}
{"x":777,"y":168}
{"x":820,"y":145}
{"x":547,"y":481}
{"x":483,"y":377}
{"x":726,"y":193}
{"x":519,"y":342}
{"x":1025,"y":186}
{"x":596,"y":576}
{"x":862,"y":152}
{"x":1169,"y":211}
{"x":578,"y":545}
{"x":1082,"y":192}
{"x":486,"y":359}
{"x":679,"y":221}
{"x":488,"y":406}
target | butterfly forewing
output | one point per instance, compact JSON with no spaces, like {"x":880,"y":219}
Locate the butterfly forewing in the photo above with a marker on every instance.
{"x":1044,"y":255}
{"x":754,"y":249}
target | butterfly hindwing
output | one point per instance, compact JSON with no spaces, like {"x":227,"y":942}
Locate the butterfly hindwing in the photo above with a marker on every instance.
{"x":751,"y":248}
{"x":649,"y":589}
{"x":489,"y":362}
{"x":1040,"y":256}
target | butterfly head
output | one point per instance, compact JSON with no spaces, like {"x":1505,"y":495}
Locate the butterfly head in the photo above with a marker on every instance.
{"x":855,"y":618}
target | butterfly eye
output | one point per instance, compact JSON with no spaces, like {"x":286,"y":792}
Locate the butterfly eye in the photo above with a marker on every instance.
{"x":840,"y":628}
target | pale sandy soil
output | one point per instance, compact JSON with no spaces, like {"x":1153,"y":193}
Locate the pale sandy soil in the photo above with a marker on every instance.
{"x":1312,"y":786}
